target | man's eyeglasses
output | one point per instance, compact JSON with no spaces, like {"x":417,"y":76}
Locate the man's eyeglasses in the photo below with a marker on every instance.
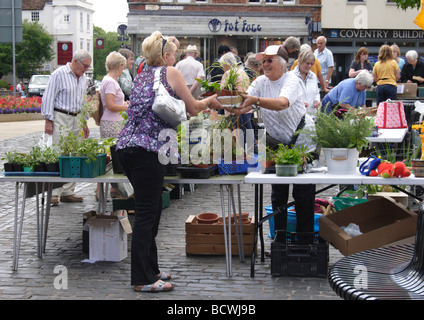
{"x":269,"y":60}
{"x":86,"y":66}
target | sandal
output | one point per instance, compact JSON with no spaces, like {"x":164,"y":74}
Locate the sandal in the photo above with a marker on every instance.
{"x":158,"y":286}
{"x":164,"y":276}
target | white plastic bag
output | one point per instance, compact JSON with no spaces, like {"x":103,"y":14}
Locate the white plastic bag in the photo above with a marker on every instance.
{"x":45,"y":141}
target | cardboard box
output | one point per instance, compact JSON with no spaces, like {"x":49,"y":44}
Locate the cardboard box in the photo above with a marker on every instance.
{"x":381,"y":221}
{"x":407,"y":90}
{"x":208,"y":239}
{"x":397,"y":196}
{"x":109,"y":236}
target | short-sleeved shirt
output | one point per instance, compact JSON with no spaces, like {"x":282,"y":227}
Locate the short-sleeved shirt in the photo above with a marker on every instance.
{"x":385,"y":72}
{"x":326,"y":60}
{"x":143,"y":125}
{"x":111,"y":86}
{"x":346,"y":93}
{"x":280,"y":125}
{"x":190,"y":69}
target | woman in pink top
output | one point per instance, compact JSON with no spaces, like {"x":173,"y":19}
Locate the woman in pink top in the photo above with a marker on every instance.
{"x":113,"y":100}
{"x":112,"y":97}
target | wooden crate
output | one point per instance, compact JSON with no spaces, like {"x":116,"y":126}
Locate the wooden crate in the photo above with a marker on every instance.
{"x":207,"y":239}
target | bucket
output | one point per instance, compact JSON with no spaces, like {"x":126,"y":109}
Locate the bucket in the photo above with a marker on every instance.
{"x":341,"y":160}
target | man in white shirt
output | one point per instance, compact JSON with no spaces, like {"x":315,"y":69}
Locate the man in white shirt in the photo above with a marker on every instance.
{"x":325,"y":58}
{"x":61,"y":105}
{"x":283,"y":111}
{"x":191,"y":69}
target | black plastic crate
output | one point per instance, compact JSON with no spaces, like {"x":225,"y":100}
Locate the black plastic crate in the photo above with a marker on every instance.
{"x":291,"y":257}
{"x":171,"y":169}
{"x":198,"y":173}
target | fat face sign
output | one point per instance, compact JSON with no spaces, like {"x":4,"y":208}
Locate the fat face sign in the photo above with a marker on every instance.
{"x":233,"y":25}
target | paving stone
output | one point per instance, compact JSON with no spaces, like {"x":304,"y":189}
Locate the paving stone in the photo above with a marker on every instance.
{"x":196,"y":277}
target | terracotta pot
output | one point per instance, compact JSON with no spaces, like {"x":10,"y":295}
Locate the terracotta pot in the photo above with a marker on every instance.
{"x":207,"y":218}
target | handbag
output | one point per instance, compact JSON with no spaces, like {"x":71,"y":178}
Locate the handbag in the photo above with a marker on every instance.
{"x":98,"y":108}
{"x":391,"y":115}
{"x":167,"y":108}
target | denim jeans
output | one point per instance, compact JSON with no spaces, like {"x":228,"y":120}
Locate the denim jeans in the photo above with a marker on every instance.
{"x":145,"y":173}
{"x":386,"y":91}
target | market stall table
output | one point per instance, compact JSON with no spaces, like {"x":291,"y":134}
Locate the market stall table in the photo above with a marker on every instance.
{"x":394,"y":272}
{"x":389,"y":135}
{"x":38,"y":185}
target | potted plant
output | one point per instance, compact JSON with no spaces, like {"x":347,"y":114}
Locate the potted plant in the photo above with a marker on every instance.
{"x":88,"y":153}
{"x":341,"y":139}
{"x":10,"y":161}
{"x":229,"y":95}
{"x":288,"y":159}
{"x":51,"y":159}
{"x":208,"y":88}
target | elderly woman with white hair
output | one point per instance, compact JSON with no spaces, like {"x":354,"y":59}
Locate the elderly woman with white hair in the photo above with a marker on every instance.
{"x":349,"y":93}
{"x":413,"y":70}
{"x":113,"y":101}
{"x":242,"y":82}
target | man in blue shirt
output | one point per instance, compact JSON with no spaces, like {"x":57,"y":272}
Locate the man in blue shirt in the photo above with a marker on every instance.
{"x":350,"y":93}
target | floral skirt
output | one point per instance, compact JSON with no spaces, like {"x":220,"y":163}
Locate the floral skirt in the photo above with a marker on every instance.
{"x":110,"y":129}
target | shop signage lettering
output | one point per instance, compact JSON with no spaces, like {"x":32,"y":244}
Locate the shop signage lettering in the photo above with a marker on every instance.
{"x":233,"y":26}
{"x":376,"y":34}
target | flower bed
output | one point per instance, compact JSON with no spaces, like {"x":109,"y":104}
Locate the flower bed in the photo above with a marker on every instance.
{"x":11,"y":105}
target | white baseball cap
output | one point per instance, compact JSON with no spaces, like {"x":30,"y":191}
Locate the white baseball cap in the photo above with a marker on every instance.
{"x":273,"y":50}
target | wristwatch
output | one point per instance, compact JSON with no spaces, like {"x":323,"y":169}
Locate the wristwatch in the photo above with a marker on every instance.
{"x":258,"y":102}
{"x":256,"y":105}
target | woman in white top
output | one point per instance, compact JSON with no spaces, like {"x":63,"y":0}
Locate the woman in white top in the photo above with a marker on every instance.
{"x":113,"y":100}
{"x":308,"y":81}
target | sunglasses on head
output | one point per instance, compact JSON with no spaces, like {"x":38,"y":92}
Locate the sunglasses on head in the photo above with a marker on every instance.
{"x":163,"y":44}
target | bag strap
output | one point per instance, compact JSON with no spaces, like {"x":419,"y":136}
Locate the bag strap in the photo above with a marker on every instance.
{"x":299,"y":127}
{"x":157,"y":79}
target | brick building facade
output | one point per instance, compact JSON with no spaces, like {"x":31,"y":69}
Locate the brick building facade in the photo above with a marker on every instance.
{"x":248,"y":25}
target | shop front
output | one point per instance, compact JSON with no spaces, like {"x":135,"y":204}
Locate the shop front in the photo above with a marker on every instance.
{"x":344,"y":43}
{"x":208,"y":30}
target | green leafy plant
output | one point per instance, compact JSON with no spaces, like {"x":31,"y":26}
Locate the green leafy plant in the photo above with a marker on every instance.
{"x":350,"y":131}
{"x":75,"y":146}
{"x":208,"y":86}
{"x":286,"y":155}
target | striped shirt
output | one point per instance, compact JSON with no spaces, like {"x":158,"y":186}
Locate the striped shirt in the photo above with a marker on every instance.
{"x":64,"y":91}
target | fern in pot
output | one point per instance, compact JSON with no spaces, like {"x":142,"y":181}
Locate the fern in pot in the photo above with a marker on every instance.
{"x":341,"y":139}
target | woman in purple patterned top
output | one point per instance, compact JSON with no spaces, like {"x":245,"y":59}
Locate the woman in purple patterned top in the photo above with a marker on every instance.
{"x":138,"y":151}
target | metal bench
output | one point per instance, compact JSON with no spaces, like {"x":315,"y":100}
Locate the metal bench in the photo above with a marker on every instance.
{"x":392,"y":272}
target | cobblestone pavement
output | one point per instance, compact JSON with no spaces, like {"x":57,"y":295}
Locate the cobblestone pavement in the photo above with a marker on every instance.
{"x":195,"y":277}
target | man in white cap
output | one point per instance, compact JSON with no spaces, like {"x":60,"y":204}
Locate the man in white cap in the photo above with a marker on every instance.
{"x":279,"y":96}
{"x":191,"y":69}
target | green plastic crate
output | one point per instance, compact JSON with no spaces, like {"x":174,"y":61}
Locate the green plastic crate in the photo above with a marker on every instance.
{"x":77,"y":167}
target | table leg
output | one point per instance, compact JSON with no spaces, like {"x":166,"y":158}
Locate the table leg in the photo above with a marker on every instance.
{"x":18,"y":233}
{"x":48,"y":205}
{"x":227,"y":257}
{"x":255,"y":236}
{"x":240,"y":240}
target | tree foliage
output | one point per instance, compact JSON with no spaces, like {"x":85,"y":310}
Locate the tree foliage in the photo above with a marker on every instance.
{"x":35,"y":49}
{"x":111,"y":43}
{"x":406,"y":4}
